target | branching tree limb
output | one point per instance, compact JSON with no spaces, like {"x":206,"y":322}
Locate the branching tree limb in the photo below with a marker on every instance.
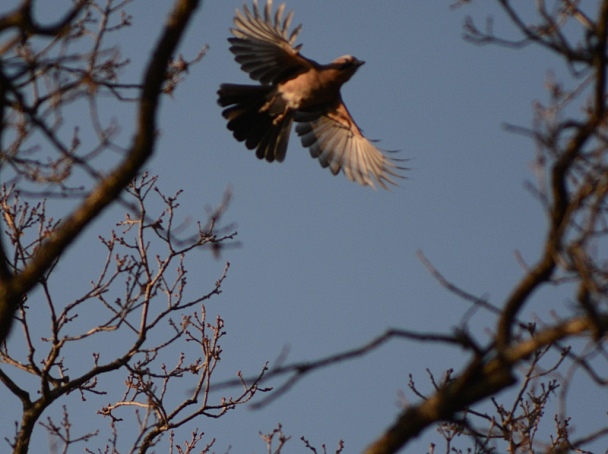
{"x":573,"y":155}
{"x":14,"y":287}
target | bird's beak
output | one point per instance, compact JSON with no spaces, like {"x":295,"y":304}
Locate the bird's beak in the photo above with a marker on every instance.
{"x":359,"y":62}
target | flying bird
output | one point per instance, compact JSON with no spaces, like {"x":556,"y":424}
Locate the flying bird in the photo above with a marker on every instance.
{"x":296,"y":89}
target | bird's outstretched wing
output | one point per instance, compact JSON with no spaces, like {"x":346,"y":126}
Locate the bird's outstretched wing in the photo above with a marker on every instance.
{"x":263,"y":46}
{"x":335,"y":139}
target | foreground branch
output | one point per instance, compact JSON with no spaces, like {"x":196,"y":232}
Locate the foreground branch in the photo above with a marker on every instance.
{"x":13,"y":290}
{"x":477,"y":382}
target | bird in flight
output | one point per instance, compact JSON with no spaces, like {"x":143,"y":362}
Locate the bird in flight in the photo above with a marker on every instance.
{"x":296,"y":89}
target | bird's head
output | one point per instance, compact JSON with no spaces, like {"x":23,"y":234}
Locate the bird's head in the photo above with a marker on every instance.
{"x":347,"y":62}
{"x":347,"y":65}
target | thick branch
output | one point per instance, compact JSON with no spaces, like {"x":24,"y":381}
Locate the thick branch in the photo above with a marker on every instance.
{"x":560,"y":216}
{"x":22,"y":19}
{"x":475,"y":383}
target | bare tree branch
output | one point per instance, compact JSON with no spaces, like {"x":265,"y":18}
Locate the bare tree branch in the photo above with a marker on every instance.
{"x":107,"y":190}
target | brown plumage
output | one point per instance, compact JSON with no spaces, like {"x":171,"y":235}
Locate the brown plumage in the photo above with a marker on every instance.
{"x":295,"y":88}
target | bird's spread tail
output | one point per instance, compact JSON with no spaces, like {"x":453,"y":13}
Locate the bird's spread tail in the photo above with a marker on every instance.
{"x":257,"y":118}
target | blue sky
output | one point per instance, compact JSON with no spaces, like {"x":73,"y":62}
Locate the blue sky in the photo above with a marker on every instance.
{"x":326,"y":265}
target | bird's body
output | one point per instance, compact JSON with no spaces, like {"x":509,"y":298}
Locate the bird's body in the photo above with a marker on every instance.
{"x":319,"y":86}
{"x":295,"y":88}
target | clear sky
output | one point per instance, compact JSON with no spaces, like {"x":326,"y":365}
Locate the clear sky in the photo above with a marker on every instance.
{"x":326,"y":265}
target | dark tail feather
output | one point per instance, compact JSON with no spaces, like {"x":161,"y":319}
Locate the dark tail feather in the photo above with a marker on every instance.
{"x":274,"y":143}
{"x":253,"y":122}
